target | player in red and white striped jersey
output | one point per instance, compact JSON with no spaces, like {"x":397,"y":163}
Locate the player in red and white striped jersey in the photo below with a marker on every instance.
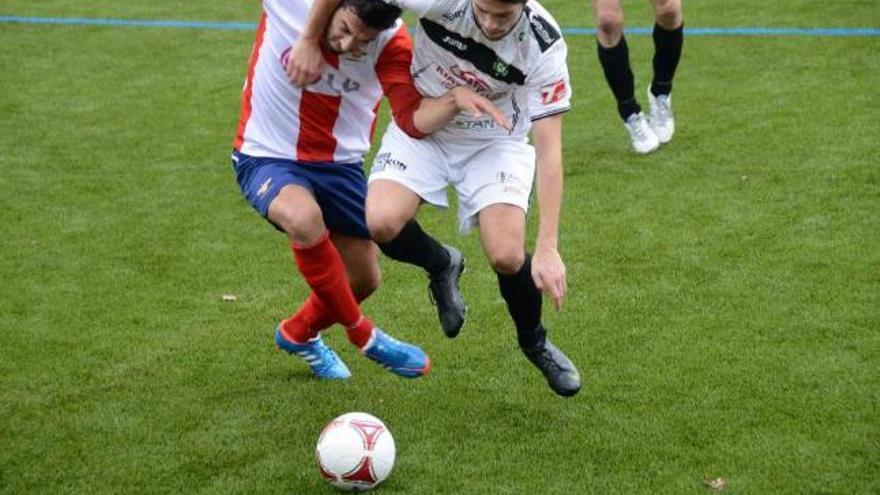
{"x":298,"y":157}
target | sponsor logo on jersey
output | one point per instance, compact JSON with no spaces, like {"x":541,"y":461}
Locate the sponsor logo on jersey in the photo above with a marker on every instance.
{"x":336,"y":82}
{"x":471,"y":79}
{"x":553,"y":93}
{"x":481,"y":56}
{"x":454,"y":43}
{"x":475,"y":125}
{"x":347,"y":85}
{"x":451,"y":16}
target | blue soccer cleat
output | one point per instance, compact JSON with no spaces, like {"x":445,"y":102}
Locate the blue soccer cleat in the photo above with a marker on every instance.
{"x":323,"y":361}
{"x":398,"y":357}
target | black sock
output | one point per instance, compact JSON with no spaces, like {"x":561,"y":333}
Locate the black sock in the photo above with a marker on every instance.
{"x":524,"y":305}
{"x":414,"y":246}
{"x":667,"y":53}
{"x":618,"y":73}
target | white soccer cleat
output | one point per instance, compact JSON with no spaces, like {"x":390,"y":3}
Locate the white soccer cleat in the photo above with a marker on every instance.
{"x":644,"y":140}
{"x":662,"y":120}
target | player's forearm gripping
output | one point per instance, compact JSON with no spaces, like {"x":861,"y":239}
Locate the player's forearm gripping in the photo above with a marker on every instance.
{"x":414,"y":114}
{"x":306,"y":62}
{"x":434,"y":113}
{"x":548,"y":269}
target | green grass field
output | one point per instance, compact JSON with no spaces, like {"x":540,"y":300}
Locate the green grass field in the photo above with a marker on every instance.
{"x":724,"y":302}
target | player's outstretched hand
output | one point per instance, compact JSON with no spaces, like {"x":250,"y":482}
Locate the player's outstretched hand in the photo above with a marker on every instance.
{"x":305,"y":63}
{"x":476,"y":105}
{"x":548,"y":270}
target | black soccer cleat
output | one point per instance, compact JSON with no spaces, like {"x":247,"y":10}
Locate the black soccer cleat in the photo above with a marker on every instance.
{"x":560,"y":372}
{"x":446,"y":294}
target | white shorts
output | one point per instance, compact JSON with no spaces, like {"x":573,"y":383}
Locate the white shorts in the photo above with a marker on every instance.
{"x":483,"y":172}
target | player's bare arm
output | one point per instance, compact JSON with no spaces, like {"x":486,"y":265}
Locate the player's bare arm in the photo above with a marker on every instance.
{"x":548,"y":270}
{"x":306,"y":62}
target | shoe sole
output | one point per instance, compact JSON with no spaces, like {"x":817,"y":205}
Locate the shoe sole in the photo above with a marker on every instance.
{"x":407,"y":372}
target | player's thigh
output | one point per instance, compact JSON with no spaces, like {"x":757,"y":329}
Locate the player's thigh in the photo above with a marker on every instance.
{"x":281,"y":193}
{"x":502,"y":233}
{"x":361,"y":259}
{"x":500,"y":173}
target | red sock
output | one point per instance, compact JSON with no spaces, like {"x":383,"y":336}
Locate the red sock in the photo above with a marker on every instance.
{"x":323,"y":270}
{"x":309,"y":320}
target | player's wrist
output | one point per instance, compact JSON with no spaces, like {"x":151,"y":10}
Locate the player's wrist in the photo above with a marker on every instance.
{"x":550,"y":244}
{"x":312,"y":41}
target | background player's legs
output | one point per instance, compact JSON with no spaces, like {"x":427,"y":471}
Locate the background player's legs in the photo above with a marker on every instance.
{"x":502,"y":231}
{"x":668,"y":41}
{"x":391,"y":208}
{"x":614,"y":55}
{"x":614,"y":58}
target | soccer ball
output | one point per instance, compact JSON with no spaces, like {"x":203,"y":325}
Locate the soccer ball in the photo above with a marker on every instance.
{"x":355,"y":452}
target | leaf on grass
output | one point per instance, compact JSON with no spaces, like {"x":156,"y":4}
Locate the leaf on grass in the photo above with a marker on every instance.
{"x":716,"y":484}
{"x":229,"y":297}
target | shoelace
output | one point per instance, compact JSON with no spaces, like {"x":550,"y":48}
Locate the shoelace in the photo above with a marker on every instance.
{"x":640,"y":128}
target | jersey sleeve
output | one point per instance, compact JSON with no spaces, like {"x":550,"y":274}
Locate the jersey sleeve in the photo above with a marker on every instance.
{"x":393,"y":71}
{"x":548,"y":85}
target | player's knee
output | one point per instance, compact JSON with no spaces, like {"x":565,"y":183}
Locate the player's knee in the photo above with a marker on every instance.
{"x":383,"y":227}
{"x":302,"y":223}
{"x":507,"y":260}
{"x":667,"y":13}
{"x":609,"y":23}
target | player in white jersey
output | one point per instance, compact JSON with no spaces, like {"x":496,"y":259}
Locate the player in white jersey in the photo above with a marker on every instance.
{"x":298,"y":156}
{"x":510,"y":51}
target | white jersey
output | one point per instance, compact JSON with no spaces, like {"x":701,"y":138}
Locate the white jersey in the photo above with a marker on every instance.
{"x":524,"y":73}
{"x":331,"y":120}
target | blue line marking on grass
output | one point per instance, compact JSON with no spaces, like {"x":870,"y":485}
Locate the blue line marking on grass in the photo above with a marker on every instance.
{"x":576,"y":31}
{"x":82,"y":21}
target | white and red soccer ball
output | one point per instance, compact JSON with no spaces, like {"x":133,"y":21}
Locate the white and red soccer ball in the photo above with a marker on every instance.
{"x":355,"y":452}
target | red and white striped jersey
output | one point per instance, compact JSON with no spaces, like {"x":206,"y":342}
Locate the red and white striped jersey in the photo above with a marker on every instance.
{"x":333,"y":119}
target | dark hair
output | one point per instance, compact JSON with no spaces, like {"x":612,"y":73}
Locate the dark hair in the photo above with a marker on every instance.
{"x":375,"y":14}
